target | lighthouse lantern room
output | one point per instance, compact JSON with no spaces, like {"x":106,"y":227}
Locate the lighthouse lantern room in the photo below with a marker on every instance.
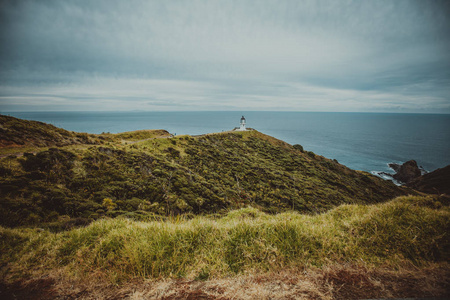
{"x":242,"y":124}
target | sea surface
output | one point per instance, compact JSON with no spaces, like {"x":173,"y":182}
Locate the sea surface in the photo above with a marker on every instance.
{"x":361,"y":141}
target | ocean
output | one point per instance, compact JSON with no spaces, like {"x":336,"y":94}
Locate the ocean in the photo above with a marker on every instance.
{"x":361,"y":141}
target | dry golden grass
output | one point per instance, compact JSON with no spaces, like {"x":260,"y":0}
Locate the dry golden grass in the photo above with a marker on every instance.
{"x":334,"y":281}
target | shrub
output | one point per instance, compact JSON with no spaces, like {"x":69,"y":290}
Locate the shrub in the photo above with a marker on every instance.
{"x":298,"y":147}
{"x":109,"y":204}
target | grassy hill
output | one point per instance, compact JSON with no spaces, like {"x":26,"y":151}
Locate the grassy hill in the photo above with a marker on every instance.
{"x":21,"y":133}
{"x":145,"y":174}
{"x":16,"y":133}
{"x":232,"y":215}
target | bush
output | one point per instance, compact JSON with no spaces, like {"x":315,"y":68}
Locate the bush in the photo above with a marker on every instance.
{"x":298,"y":147}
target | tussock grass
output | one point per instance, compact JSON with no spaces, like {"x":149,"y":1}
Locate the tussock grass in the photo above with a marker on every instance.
{"x":407,"y":229}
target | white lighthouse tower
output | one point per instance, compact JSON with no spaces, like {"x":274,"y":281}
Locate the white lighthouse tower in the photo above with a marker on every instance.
{"x":242,"y":124}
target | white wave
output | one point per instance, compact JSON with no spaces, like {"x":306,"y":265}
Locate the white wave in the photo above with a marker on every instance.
{"x":386,"y":176}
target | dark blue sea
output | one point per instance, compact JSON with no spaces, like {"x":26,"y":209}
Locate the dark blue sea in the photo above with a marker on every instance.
{"x":361,"y":141}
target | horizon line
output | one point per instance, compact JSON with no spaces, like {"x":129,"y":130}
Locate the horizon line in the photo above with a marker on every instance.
{"x":215,"y":111}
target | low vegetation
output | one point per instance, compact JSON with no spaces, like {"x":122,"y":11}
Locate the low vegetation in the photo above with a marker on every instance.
{"x":138,"y":135}
{"x":144,"y":174}
{"x":19,"y":133}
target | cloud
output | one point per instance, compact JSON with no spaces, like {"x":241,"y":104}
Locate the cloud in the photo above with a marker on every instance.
{"x":197,"y":55}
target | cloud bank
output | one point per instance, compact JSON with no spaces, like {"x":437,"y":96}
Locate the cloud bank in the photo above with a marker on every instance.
{"x":375,"y":56}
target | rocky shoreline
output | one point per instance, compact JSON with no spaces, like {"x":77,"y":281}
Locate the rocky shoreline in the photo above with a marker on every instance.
{"x":416,"y":177}
{"x":404,"y":173}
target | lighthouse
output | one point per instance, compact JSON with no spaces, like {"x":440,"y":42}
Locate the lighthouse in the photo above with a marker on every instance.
{"x":242,"y":124}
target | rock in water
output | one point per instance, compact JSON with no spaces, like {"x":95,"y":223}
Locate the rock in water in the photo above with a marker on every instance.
{"x":394,"y":166}
{"x":407,"y":172}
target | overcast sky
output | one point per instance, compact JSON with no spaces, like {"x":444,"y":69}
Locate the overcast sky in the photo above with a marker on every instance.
{"x":371,"y":56}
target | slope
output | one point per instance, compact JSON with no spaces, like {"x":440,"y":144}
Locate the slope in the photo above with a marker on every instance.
{"x":19,"y":133}
{"x":143,"y":179}
{"x":394,"y":249}
{"x":436,"y":182}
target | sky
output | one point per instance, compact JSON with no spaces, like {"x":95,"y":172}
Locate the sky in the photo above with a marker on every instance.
{"x":349,"y":56}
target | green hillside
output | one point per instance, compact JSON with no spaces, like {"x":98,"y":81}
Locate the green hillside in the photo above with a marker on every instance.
{"x":146,"y":174}
{"x":20,"y":133}
{"x":16,"y":134}
{"x":144,"y":214}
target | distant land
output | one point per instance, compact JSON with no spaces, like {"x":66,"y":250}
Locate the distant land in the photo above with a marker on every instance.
{"x":124,"y":212}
